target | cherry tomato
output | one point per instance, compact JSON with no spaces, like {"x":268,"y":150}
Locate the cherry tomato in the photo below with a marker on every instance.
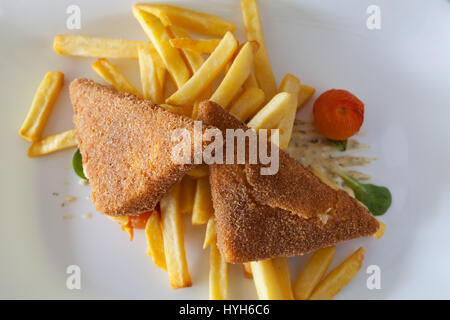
{"x":338,"y":114}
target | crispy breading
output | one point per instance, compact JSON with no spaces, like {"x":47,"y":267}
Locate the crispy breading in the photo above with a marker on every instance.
{"x":126,"y":147}
{"x":256,"y":217}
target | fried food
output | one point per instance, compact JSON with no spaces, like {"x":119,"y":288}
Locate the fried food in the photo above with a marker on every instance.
{"x":112,"y":76}
{"x":126,"y":146}
{"x":339,"y":277}
{"x":253,"y":28}
{"x":53,"y":143}
{"x":173,"y":235}
{"x":313,"y":272}
{"x":206,"y":74}
{"x":194,"y":21}
{"x":262,"y":217}
{"x":160,"y":37}
{"x":42,"y":106}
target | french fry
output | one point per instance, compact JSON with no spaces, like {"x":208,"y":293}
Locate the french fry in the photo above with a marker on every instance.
{"x":197,"y":22}
{"x":235,"y":77}
{"x":253,"y":28}
{"x":53,"y":143}
{"x":313,"y":272}
{"x":42,"y":106}
{"x":194,"y":59}
{"x":211,"y":233}
{"x":205,"y":95}
{"x":200,"y":46}
{"x":188,"y":187}
{"x":339,"y":277}
{"x":101,"y":47}
{"x":155,"y":240}
{"x":271,"y":277}
{"x":290,"y":84}
{"x":218,"y":274}
{"x":173,"y":109}
{"x":380,"y":230}
{"x":174,"y":239}
{"x":270,"y":116}
{"x":248,"y":270}
{"x":284,"y":278}
{"x":151,"y":83}
{"x":112,"y":76}
{"x":207,"y":72}
{"x":160,"y":37}
{"x":203,"y":208}
{"x":247,"y":104}
{"x":251,"y":81}
{"x":306,"y":92}
{"x":200,"y":171}
{"x":266,"y":280}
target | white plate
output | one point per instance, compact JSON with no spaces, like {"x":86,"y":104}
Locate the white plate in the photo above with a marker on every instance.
{"x":401,"y":72}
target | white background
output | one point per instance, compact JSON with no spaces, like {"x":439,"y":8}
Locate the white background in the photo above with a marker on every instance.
{"x":401,"y":72}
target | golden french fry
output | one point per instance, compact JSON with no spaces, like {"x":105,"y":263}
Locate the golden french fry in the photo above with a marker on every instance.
{"x":251,"y":81}
{"x":200,"y":171}
{"x":42,"y":106}
{"x":313,"y":272}
{"x":194,"y":59}
{"x":173,"y":109}
{"x":205,"y":95}
{"x":266,"y":280}
{"x":306,"y":92}
{"x":284,"y":278}
{"x":285,"y":127}
{"x":197,"y":22}
{"x":206,"y":74}
{"x":270,"y":116}
{"x":112,"y":76}
{"x":160,"y":37}
{"x":188,"y":187}
{"x":155,"y":240}
{"x":339,"y":277}
{"x":253,"y":28}
{"x":200,"y":46}
{"x":380,"y":230}
{"x":174,"y":252}
{"x":211,"y":233}
{"x":203,"y":208}
{"x":247,"y":104}
{"x":248,"y":270}
{"x":290,"y":84}
{"x":235,"y":77}
{"x":218,"y":274}
{"x":151,"y":85}
{"x":53,"y":143}
{"x":101,"y":47}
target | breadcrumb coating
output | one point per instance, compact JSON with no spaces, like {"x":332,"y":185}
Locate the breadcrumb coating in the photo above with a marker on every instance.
{"x":126,"y":147}
{"x":262,"y":217}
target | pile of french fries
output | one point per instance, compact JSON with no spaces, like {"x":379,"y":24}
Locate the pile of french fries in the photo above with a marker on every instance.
{"x":239,"y":77}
